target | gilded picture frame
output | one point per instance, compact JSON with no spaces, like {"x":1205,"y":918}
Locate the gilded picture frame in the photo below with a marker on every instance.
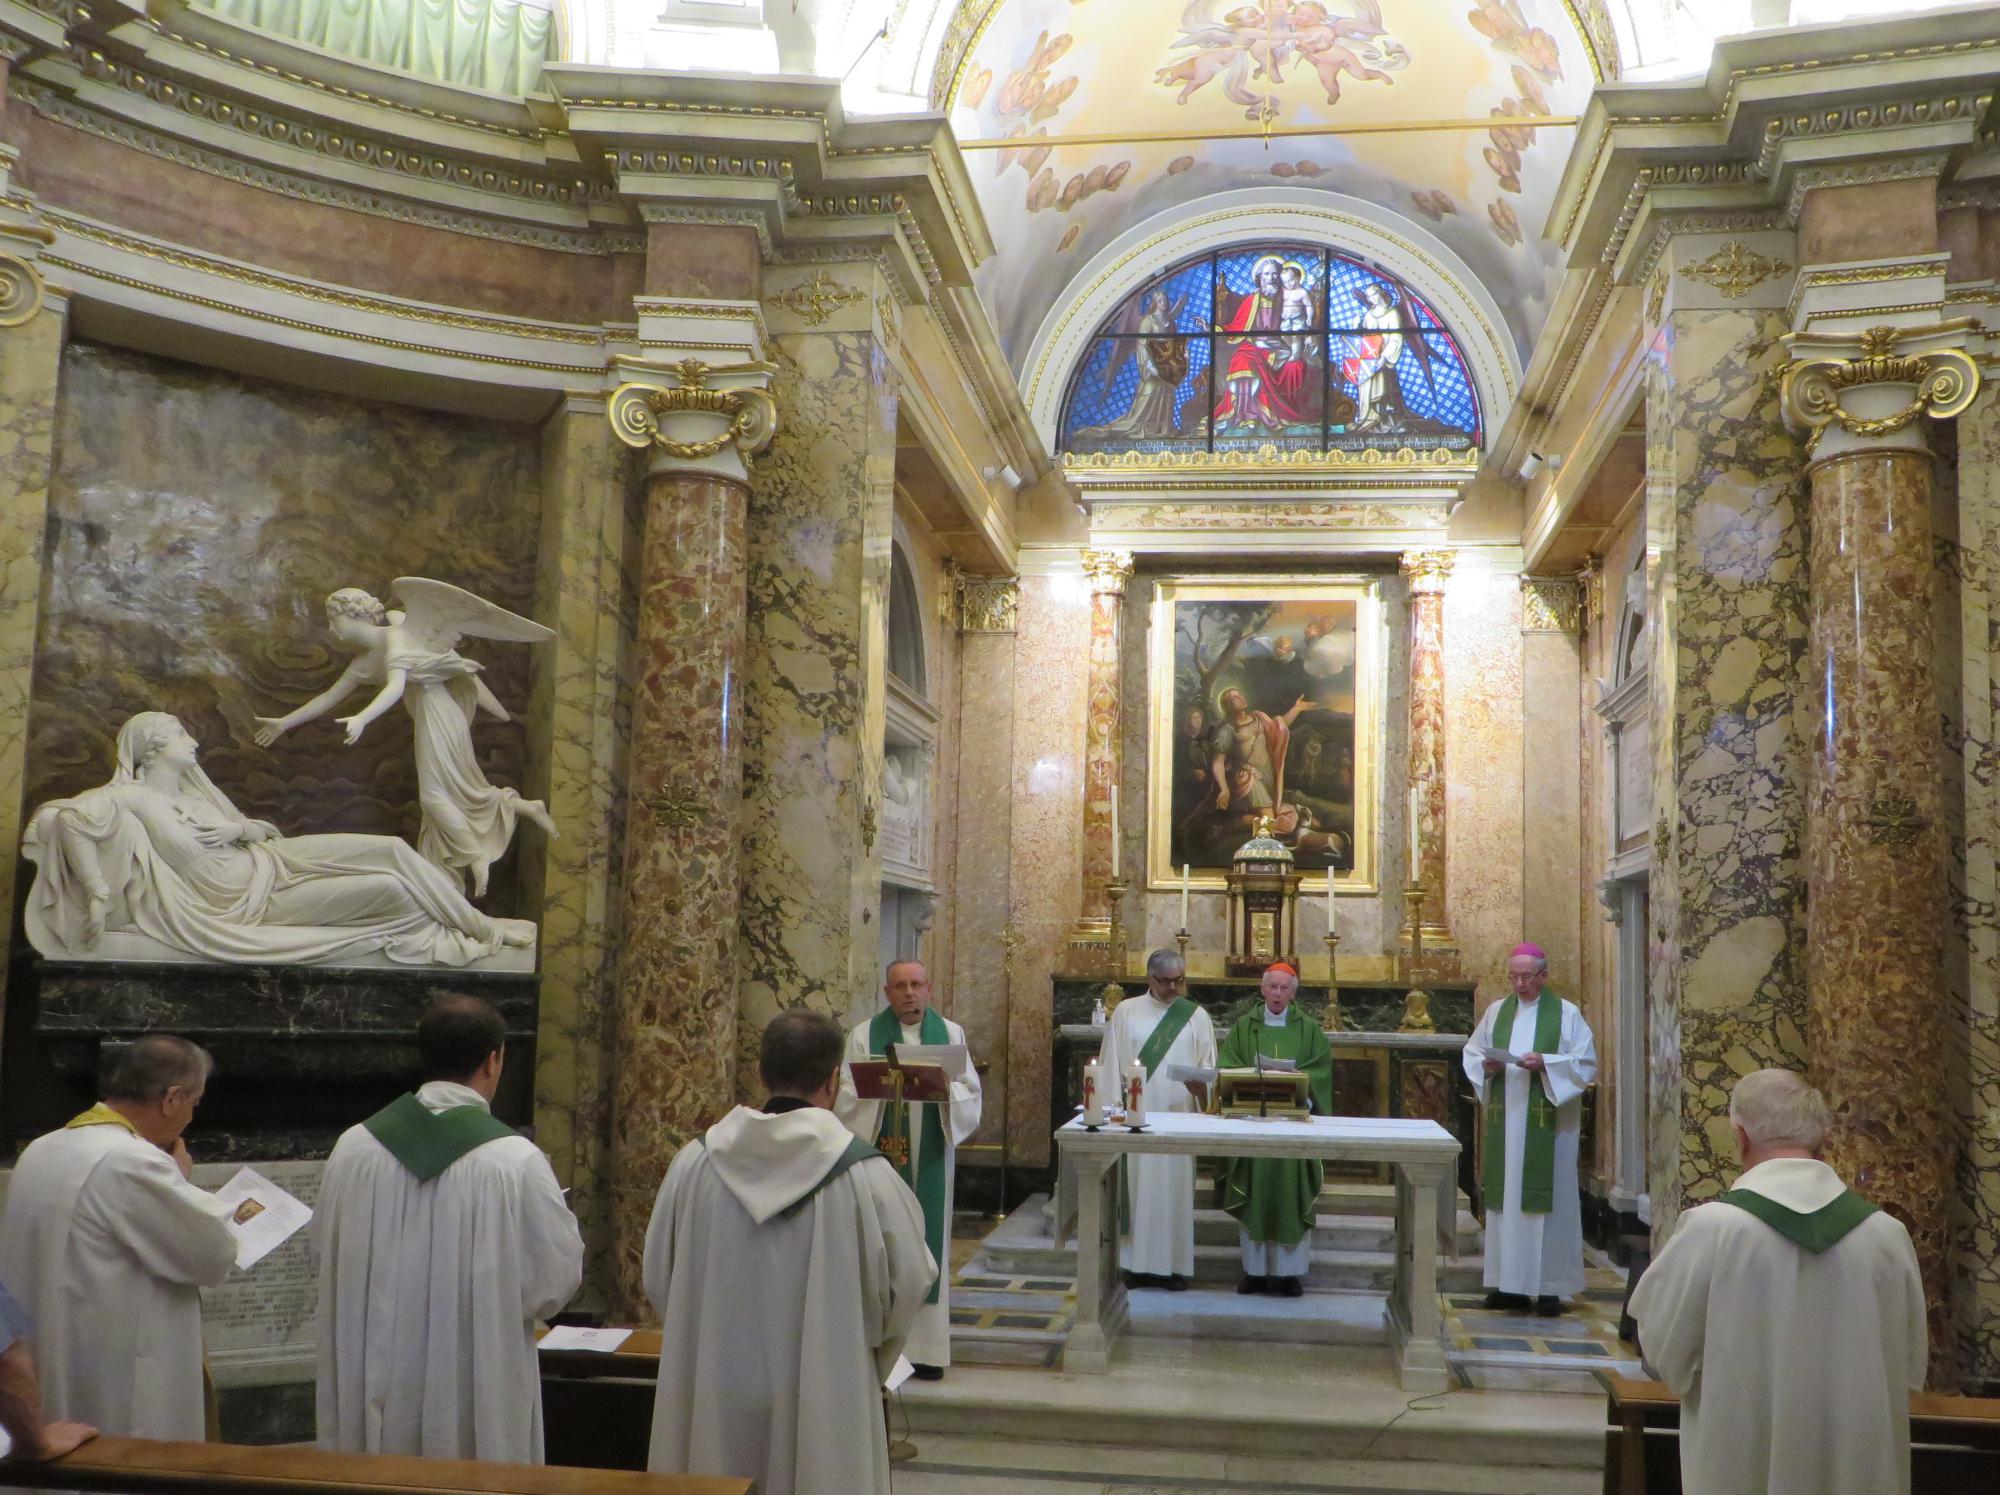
{"x":1230,"y":648}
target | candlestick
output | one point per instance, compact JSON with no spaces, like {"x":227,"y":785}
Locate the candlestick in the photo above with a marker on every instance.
{"x":1115,"y":891}
{"x":1332,"y":913}
{"x":1334,"y":1022}
{"x":1185,"y":868}
{"x":1135,"y":1093}
{"x":1181,"y":939}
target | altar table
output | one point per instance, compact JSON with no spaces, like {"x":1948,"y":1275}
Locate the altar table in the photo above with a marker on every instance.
{"x":1423,"y":1154}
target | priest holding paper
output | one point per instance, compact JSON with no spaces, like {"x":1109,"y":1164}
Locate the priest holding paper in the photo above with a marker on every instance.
{"x":108,"y":1246}
{"x":1530,"y":1058}
{"x":921,"y":1138}
{"x":786,"y":1260}
{"x":1275,"y":1200}
{"x":1788,"y":1315}
{"x":442,"y":1237}
{"x":1163,"y":1030}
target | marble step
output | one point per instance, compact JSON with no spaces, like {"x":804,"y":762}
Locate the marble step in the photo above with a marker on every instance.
{"x":1020,"y":1247}
{"x":1326,"y":1405}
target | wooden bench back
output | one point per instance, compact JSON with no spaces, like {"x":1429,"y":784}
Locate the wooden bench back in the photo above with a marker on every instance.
{"x":145,"y":1466}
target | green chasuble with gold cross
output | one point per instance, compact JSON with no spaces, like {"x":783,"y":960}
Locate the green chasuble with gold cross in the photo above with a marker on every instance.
{"x":1275,"y":1199}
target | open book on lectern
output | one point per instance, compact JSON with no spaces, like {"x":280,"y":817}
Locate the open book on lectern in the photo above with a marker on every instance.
{"x":928,"y":1070}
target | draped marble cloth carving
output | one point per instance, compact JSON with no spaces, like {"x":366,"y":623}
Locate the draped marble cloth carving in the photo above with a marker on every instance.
{"x":163,"y":852}
{"x":498,"y":45}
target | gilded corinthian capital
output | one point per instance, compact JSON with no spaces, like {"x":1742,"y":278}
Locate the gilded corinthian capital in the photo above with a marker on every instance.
{"x":1108,"y":570}
{"x":695,"y":416}
{"x":1426,"y":570}
{"x":1849,"y":392}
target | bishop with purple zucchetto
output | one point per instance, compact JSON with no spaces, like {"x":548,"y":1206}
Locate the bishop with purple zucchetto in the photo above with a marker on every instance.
{"x":1530,"y":1059}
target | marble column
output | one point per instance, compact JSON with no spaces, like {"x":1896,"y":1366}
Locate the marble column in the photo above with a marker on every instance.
{"x":1551,"y":778}
{"x":1426,"y":571}
{"x":1090,"y":949}
{"x":675,"y":1020}
{"x":1877,"y":900}
{"x":33,"y":327}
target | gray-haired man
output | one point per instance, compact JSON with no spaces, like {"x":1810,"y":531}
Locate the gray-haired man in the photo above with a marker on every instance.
{"x":1160,"y":1028}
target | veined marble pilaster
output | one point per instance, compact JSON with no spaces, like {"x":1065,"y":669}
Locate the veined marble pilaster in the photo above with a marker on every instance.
{"x":1551,"y":784}
{"x":581,"y":712}
{"x":698,"y":423}
{"x":1972,"y":1042}
{"x":821,"y":508}
{"x":32,"y":329}
{"x":1427,"y":572}
{"x":1107,"y":572}
{"x":1726,"y":604}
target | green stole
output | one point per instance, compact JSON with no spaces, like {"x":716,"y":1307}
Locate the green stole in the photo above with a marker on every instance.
{"x":1165,"y":1031}
{"x":927,"y":1178}
{"x":1538,"y":1158}
{"x":427,"y":1142}
{"x":1824,"y":1227}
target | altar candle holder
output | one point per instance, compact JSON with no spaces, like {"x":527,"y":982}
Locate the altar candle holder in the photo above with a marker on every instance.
{"x":1334,"y":1022}
{"x":1414,"y":895}
{"x":1115,"y":891}
{"x":1181,"y":939}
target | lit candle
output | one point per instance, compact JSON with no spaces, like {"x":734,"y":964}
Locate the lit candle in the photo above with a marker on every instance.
{"x":1114,"y":833}
{"x":1135,"y":1093}
{"x":1185,"y":867}
{"x":1416,"y":835}
{"x":1093,"y":1093}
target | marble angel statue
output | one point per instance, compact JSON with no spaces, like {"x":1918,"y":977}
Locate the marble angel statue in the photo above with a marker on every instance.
{"x":160,"y":851}
{"x":411,"y":653}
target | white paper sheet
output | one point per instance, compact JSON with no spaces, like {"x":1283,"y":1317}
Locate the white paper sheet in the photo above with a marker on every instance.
{"x":1503,"y":1056}
{"x":901,"y":1372}
{"x":263,"y":1215}
{"x":569,"y":1337}
{"x":953,"y":1057}
{"x":1191,"y":1074}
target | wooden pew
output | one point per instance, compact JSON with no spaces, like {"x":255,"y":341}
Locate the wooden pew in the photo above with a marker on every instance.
{"x":146,"y":1466}
{"x":1954,"y":1442}
{"x":597,"y":1409}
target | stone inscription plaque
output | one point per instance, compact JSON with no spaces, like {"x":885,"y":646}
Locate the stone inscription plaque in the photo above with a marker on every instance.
{"x":265,"y":1315}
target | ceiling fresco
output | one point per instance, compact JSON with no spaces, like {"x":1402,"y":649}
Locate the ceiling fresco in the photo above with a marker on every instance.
{"x":1125,"y":110}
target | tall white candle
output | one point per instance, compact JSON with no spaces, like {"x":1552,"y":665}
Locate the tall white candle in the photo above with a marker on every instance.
{"x":1416,"y":834}
{"x":1114,"y":833}
{"x":1093,"y":1094}
{"x":1332,"y":914}
{"x":1135,"y":1092}
{"x":1185,"y":867}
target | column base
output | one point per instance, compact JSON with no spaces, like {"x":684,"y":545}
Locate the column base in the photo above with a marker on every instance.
{"x":1093,"y":948}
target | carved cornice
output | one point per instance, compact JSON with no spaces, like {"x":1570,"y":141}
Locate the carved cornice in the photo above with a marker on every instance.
{"x":1551,"y":604}
{"x":989,"y":604}
{"x":1426,"y":570}
{"x":1108,"y":570}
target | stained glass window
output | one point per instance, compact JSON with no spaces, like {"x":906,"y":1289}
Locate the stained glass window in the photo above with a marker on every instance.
{"x":1288,"y":345}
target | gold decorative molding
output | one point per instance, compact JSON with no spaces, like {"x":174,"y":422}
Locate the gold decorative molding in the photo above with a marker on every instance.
{"x":1268,"y":456}
{"x":21,"y":290}
{"x":989,"y":604}
{"x":891,"y":323}
{"x":1945,"y":381}
{"x":817,"y":298}
{"x":1364,"y":514}
{"x":1656,"y":300}
{"x":1426,"y":570}
{"x":748,"y":414}
{"x":1590,"y":577}
{"x":1551,"y":604}
{"x":1893,"y":821}
{"x":1108,"y":570}
{"x":1854,"y":275}
{"x":1736,"y":269}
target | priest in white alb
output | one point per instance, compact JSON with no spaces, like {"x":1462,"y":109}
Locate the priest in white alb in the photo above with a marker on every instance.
{"x":1530,"y":1058}
{"x":1160,"y":1028}
{"x":108,"y":1245}
{"x":1788,"y":1315}
{"x":930,"y":1132}
{"x":786,"y":1260}
{"x":442,"y":1237}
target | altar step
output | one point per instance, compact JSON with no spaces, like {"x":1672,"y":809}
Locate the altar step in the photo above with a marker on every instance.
{"x":1217,"y":1415}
